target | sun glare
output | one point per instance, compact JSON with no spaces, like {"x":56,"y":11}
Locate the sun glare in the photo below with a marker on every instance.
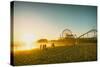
{"x":28,"y":40}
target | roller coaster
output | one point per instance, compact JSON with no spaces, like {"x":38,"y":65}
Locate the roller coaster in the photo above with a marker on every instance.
{"x":88,"y":37}
{"x":68,"y":38}
{"x":93,"y":33}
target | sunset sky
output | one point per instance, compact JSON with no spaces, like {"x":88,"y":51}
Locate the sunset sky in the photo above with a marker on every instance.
{"x":40,"y":20}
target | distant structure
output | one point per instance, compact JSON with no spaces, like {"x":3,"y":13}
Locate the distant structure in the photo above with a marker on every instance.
{"x":67,"y":37}
{"x":66,"y":33}
{"x":90,"y":34}
{"x":88,"y":37}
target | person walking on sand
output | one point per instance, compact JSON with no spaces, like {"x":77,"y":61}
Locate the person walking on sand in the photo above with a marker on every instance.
{"x":53,"y":45}
{"x":41,"y":46}
{"x":45,"y":46}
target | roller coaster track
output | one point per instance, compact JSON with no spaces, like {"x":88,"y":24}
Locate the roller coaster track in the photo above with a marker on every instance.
{"x":92,"y":30}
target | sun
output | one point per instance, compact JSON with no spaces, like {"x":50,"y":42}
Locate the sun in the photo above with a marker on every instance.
{"x":28,"y":38}
{"x":28,"y":41}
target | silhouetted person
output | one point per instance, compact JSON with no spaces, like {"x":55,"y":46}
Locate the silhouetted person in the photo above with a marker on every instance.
{"x":53,"y":45}
{"x":45,"y":46}
{"x":41,"y":46}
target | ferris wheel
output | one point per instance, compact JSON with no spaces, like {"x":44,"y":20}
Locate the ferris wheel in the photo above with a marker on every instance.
{"x":66,"y":33}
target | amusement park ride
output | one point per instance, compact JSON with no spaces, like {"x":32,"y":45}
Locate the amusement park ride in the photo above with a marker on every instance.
{"x":88,"y":37}
{"x":67,"y":38}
